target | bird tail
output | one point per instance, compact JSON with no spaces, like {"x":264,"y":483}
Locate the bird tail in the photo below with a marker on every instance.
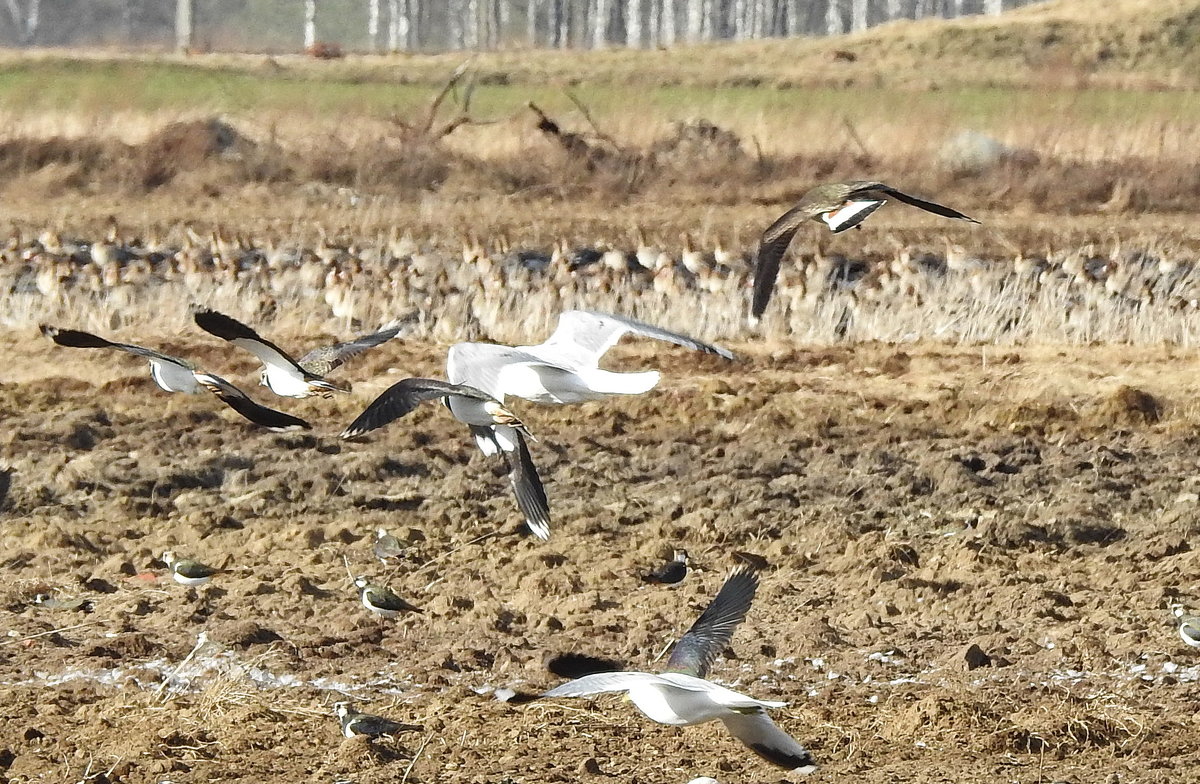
{"x":325,"y":388}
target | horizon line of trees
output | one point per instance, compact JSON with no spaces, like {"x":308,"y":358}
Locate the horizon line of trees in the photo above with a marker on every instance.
{"x":447,"y":25}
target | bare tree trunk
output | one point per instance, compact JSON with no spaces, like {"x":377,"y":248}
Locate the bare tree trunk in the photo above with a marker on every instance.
{"x":695,"y":20}
{"x":833,"y":18}
{"x":310,"y":23}
{"x":531,"y":19}
{"x":633,"y":24}
{"x":563,"y":36}
{"x":993,"y":7}
{"x":668,"y":23}
{"x":183,"y":25}
{"x":373,"y":25}
{"x":600,"y":19}
{"x":858,"y":15}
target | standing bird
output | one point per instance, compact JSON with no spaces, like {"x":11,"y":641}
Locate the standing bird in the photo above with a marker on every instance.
{"x":283,"y":375}
{"x":671,"y":572}
{"x":681,"y":695}
{"x":355,"y":723}
{"x":386,"y":546}
{"x":565,"y":368}
{"x":1189,"y":627}
{"x":380,"y":600}
{"x":840,"y":206}
{"x":188,"y":572}
{"x":496,"y":429}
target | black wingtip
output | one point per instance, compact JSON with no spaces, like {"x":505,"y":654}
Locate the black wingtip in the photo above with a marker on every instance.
{"x":801,"y":763}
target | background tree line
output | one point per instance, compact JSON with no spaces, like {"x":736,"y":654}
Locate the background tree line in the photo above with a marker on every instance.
{"x":437,"y":25}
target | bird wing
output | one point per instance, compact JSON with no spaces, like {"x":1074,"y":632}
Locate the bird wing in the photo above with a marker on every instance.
{"x":320,"y":361}
{"x":583,"y":336}
{"x":710,"y":634}
{"x":771,"y":247}
{"x":877,"y":189}
{"x":600,"y":683}
{"x":74,"y":338}
{"x":245,"y":338}
{"x":764,"y":738}
{"x":402,"y":398}
{"x":531,"y":495}
{"x":480,"y":365}
{"x":241,"y":403}
{"x":384,"y":597}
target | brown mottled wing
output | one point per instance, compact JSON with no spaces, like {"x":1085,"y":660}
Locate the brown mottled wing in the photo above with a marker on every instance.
{"x":878,"y":188}
{"x":710,"y":634}
{"x":320,"y":361}
{"x":771,"y":247}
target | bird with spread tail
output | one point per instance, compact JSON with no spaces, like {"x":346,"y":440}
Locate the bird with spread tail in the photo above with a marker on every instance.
{"x":682,"y":695}
{"x":840,"y":206}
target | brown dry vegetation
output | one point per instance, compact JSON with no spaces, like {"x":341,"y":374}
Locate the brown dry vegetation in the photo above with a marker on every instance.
{"x":912,"y":498}
{"x":909,"y":504}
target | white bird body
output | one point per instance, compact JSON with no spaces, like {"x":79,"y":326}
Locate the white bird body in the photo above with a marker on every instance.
{"x":541,"y":381}
{"x":173,"y":377}
{"x":565,"y":368}
{"x":668,"y":698}
{"x":682,"y":696}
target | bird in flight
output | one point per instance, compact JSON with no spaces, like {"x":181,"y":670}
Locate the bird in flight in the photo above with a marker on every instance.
{"x":565,"y":368}
{"x":840,"y":206}
{"x":175,"y":374}
{"x":496,"y":429}
{"x":283,"y":375}
{"x":682,"y":695}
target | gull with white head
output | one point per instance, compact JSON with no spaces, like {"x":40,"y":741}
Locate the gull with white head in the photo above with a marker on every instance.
{"x":682,"y":695}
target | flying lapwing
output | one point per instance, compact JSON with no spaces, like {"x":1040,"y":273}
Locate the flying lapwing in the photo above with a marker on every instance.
{"x":682,"y":695}
{"x":840,"y":206}
{"x":175,"y":374}
{"x":283,"y":375}
{"x":496,"y":430}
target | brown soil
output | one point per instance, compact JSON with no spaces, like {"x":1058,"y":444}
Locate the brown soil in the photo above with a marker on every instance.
{"x":970,"y":560}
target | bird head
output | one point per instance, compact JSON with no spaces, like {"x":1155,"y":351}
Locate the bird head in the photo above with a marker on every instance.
{"x":340,"y":709}
{"x":168,"y":558}
{"x":360,"y":582}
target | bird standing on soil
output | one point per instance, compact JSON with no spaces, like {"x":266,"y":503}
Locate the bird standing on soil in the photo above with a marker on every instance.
{"x":386,"y":546}
{"x":355,"y":723}
{"x":671,"y":572}
{"x":283,"y":375}
{"x":840,"y":206}
{"x":681,"y":695}
{"x":565,"y":368}
{"x":188,"y":572}
{"x":496,"y":429}
{"x":48,"y":602}
{"x":1189,"y":627}
{"x":380,"y":599}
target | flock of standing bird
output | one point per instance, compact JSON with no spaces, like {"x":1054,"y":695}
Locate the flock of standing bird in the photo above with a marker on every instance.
{"x":562,"y":370}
